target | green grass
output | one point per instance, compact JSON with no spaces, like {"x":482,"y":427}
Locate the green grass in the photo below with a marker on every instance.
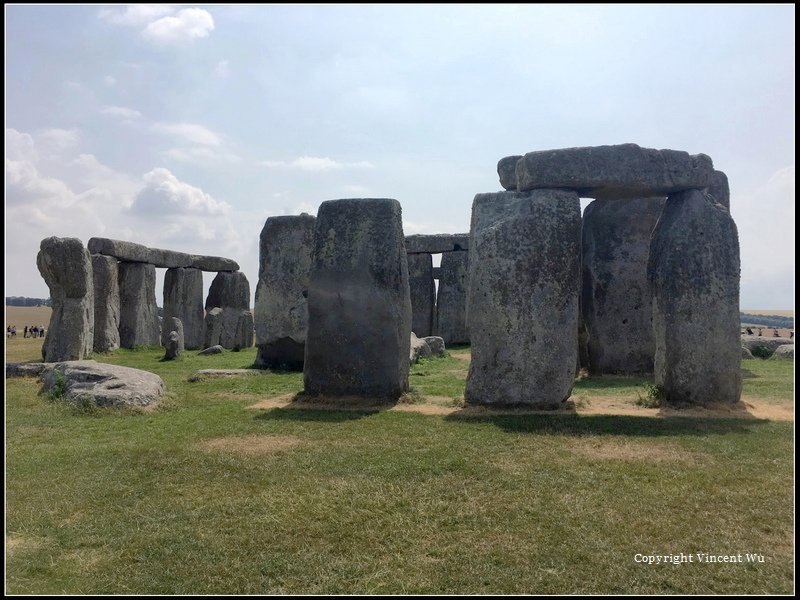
{"x":113,"y":501}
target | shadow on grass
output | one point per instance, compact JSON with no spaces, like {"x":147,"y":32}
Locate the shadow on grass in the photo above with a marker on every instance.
{"x":576,"y":424}
{"x":594,"y":382}
{"x":326,"y":409}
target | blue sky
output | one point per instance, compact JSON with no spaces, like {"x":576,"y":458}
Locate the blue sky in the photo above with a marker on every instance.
{"x":186,"y":126}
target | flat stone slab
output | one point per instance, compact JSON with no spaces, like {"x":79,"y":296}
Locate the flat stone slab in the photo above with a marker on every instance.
{"x":770,"y":343}
{"x":26,"y":369}
{"x":507,"y":171}
{"x":167,"y":259}
{"x":103,"y":384}
{"x":211,"y":350}
{"x":214,"y":373}
{"x":785,"y":351}
{"x":436,"y":243}
{"x":609,"y":172}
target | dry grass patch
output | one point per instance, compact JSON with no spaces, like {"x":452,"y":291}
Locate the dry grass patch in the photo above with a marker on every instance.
{"x":16,"y":544}
{"x":250,"y":445}
{"x":628,"y":450}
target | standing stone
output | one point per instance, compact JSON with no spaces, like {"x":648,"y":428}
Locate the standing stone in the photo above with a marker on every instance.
{"x":522,"y":301}
{"x":719,"y":189}
{"x":694,"y":274}
{"x":451,"y":302}
{"x":281,"y":308}
{"x":106,"y":303}
{"x":507,"y":170}
{"x":423,"y":290}
{"x":231,"y":293}
{"x":138,"y":313}
{"x":616,"y":302}
{"x":359,"y":303}
{"x":175,"y":340}
{"x":183,"y":298}
{"x":213,"y":327}
{"x":243,"y":334}
{"x":66,"y":267}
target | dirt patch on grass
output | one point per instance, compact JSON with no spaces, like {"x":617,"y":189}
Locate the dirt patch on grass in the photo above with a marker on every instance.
{"x":21,"y":543}
{"x":250,"y":445}
{"x":747,"y":408}
{"x":465,"y":356}
{"x":628,"y":450}
{"x":86,"y":559}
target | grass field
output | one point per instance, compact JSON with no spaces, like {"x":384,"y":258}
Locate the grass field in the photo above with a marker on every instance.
{"x":22,"y":316}
{"x":233,"y":486}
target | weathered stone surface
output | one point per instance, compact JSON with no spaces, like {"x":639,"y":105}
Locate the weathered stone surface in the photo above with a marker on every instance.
{"x":451,"y":301}
{"x":213,"y":327}
{"x":204,"y":374}
{"x":281,"y":307}
{"x":242,"y":331}
{"x":608,"y":172}
{"x":507,"y":170}
{"x":436,"y":344}
{"x":229,"y":290}
{"x":26,"y":369}
{"x":419,"y":349}
{"x":616,"y":302}
{"x":103,"y":384}
{"x":746,"y":354}
{"x":719,"y":189}
{"x":66,"y":267}
{"x":138,"y":313}
{"x":436,"y":243}
{"x":522,"y":302}
{"x":106,"y":303}
{"x":694,"y":274}
{"x":437,"y":272}
{"x":183,"y":298}
{"x":359,"y":304}
{"x":211,"y":350}
{"x":785,"y":351}
{"x":770,"y":343}
{"x":423,"y":290}
{"x":168,"y":259}
{"x":175,"y":340}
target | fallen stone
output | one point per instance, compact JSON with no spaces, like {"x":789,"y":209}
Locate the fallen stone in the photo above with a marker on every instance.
{"x":423,"y":298}
{"x":609,"y":172}
{"x":751,"y":342}
{"x":138,"y":313}
{"x":106,"y":303}
{"x":102,"y":384}
{"x":616,"y":303}
{"x":26,"y":369}
{"x":359,"y":303}
{"x":507,"y":170}
{"x":436,"y":243}
{"x":165,"y":259}
{"x":203,"y":374}
{"x":694,"y":275}
{"x":522,"y":302}
{"x":785,"y":351}
{"x":719,"y":189}
{"x":281,"y":306}
{"x":212,"y":350}
{"x":451,"y":300}
{"x":436,"y":344}
{"x":419,"y":349}
{"x":66,"y":267}
{"x":183,"y":298}
{"x":746,"y":354}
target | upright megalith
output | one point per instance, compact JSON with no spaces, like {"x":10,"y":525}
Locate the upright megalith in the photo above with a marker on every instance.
{"x":451,"y":300}
{"x":281,"y":308}
{"x":138,"y":313}
{"x":507,"y":171}
{"x":522,"y":300}
{"x":230,"y":291}
{"x":423,"y":293}
{"x":694,"y":275}
{"x":66,"y":267}
{"x":183,"y":298}
{"x":105,"y":272}
{"x":609,"y":172}
{"x":175,"y":342}
{"x":719,"y":189}
{"x":616,"y":302}
{"x":213,"y":327}
{"x":359,"y":304}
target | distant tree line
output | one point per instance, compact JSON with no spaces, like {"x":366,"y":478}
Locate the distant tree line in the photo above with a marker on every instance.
{"x":768,"y":320}
{"x":24,"y":301}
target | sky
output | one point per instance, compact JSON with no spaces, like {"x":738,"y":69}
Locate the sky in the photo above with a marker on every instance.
{"x":186,"y":126}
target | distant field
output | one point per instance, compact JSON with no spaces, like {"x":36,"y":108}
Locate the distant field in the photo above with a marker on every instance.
{"x":28,"y":315}
{"x":777,"y":313}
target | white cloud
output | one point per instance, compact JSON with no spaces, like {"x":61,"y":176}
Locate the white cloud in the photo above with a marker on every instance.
{"x":222,"y":69}
{"x":121,"y":111}
{"x":201,"y":155}
{"x":57,"y":140}
{"x":191,"y":132}
{"x":20,"y":146}
{"x":164,"y":193}
{"x":188,"y":24}
{"x":135,"y":14}
{"x":109,"y":80}
{"x":315,"y":163}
